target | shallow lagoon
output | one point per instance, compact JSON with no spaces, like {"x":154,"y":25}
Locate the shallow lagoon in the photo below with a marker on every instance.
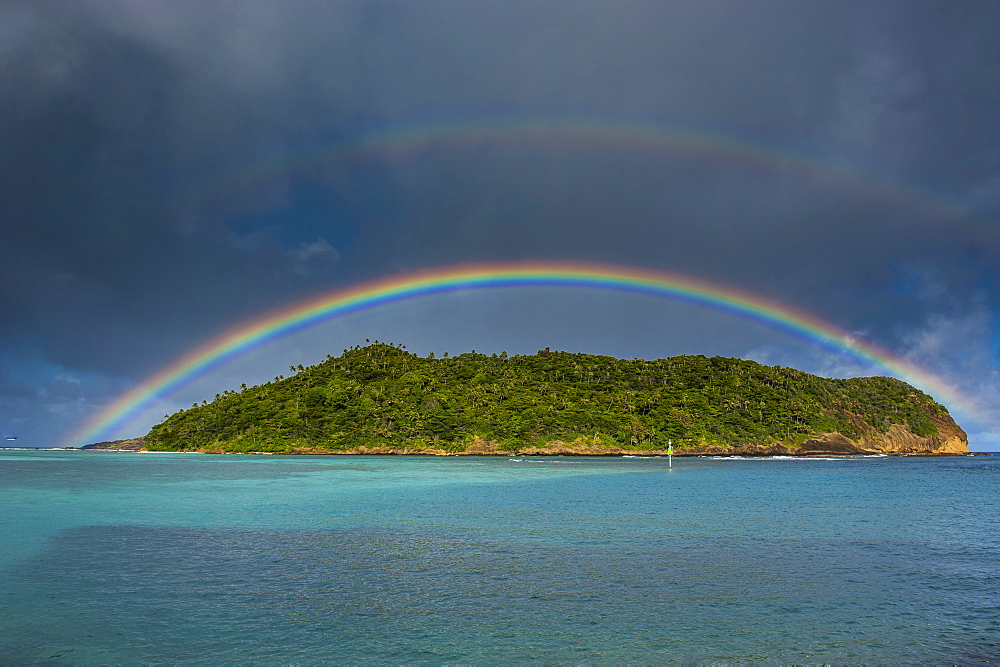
{"x":124,"y":557}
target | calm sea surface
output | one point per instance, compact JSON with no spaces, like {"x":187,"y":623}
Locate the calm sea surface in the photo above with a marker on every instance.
{"x":124,"y":557}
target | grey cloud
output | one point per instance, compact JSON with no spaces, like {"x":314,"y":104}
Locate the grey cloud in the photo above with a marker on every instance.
{"x":959,"y":347}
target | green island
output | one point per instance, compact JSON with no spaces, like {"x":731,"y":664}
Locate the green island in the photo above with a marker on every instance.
{"x":382,"y":399}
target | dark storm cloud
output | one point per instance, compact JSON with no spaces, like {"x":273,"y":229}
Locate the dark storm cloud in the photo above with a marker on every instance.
{"x":127,"y":237}
{"x":108,"y":127}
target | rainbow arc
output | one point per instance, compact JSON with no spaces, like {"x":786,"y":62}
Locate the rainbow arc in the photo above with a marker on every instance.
{"x":386,"y":291}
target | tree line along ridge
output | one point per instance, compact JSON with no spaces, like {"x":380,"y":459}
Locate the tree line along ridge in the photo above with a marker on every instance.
{"x":380,"y":397}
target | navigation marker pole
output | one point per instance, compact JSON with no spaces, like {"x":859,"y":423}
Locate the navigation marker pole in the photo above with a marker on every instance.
{"x":670,"y":453}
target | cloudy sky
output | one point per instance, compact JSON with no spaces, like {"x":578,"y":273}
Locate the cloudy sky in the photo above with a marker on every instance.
{"x":173,"y":168}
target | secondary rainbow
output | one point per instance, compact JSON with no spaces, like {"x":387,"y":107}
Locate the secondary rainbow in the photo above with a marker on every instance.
{"x":275,"y":324}
{"x":576,"y":133}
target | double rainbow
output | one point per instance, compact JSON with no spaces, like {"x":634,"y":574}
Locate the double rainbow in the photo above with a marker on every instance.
{"x":284,"y":321}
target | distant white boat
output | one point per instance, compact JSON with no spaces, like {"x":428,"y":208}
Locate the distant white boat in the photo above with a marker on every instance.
{"x":11,"y":437}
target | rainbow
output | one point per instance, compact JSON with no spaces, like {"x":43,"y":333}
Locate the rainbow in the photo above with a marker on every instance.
{"x":575,"y":133}
{"x":282,"y":322}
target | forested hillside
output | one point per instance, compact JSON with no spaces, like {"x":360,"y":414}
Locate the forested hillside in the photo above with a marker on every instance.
{"x":381,"y":398}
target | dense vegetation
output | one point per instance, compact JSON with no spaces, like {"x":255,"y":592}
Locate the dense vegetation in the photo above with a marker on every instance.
{"x":380,"y":395}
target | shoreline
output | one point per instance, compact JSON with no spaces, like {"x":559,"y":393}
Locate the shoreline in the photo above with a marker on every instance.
{"x":582,"y":455}
{"x":819,"y":447}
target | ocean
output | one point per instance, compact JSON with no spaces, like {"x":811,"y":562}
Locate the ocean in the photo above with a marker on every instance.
{"x":185,"y":558}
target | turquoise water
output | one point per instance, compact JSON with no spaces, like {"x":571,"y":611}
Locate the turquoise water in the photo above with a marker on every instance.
{"x":123,"y":557}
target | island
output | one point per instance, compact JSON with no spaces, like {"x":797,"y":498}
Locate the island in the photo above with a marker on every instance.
{"x":381,"y":399}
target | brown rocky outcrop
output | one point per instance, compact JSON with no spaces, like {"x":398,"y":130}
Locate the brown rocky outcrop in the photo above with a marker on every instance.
{"x":129,"y":444}
{"x":951,"y":439}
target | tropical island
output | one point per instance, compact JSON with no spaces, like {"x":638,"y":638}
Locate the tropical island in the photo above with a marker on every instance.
{"x":382,"y":399}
